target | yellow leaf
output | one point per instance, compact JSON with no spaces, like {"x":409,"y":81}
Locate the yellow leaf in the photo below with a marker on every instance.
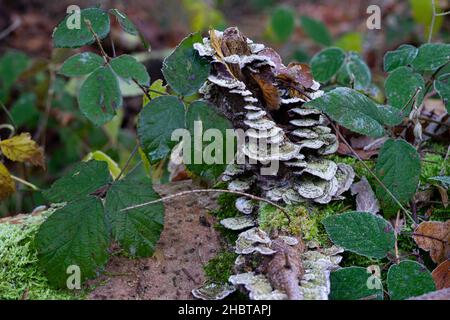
{"x":113,"y":167}
{"x":22,"y":149}
{"x":7,"y":186}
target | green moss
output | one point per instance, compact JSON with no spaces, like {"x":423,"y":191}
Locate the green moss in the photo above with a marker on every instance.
{"x":227,"y":208}
{"x":350,"y":259}
{"x":431,"y":166}
{"x":19,"y":272}
{"x":220,"y":268}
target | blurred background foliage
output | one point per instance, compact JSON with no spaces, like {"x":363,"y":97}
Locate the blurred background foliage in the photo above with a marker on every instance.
{"x":35,"y":99}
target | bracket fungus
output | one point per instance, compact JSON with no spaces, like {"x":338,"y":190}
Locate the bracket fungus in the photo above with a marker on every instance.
{"x":256,"y":92}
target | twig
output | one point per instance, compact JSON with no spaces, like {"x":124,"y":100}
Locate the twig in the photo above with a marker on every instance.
{"x":413,"y":97}
{"x":145,"y":90}
{"x":433,"y":20}
{"x":9,"y":127}
{"x":434,"y":121}
{"x":40,"y":132}
{"x":97,"y":39}
{"x":180,"y":194}
{"x":445,"y":161}
{"x":397,"y":221}
{"x":8,"y":114}
{"x":26,"y":183}
{"x":133,"y":152}
{"x":16,"y":23}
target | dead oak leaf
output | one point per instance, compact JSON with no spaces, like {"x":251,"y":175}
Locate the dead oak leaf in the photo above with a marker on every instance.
{"x":22,"y":148}
{"x":441,"y":275}
{"x":434,"y":236}
{"x":7,"y":186}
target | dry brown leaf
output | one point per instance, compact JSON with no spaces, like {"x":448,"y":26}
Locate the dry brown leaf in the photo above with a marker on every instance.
{"x":365,"y":197}
{"x":441,"y":275}
{"x":434,"y":236}
{"x":7,"y":186}
{"x":22,"y":148}
{"x":269,"y":91}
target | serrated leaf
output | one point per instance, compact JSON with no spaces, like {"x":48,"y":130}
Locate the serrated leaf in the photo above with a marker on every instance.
{"x":7,"y":185}
{"x":136,"y":230}
{"x":184,"y":70}
{"x":100,"y":96}
{"x":316,"y":30}
{"x":24,"y":110}
{"x":157,"y":86}
{"x":361,"y":232}
{"x":157,"y":121}
{"x":409,"y":279}
{"x":125,"y":23}
{"x":22,"y":148}
{"x":282,"y":22}
{"x":398,"y":167}
{"x":403,"y":56}
{"x":81,"y":64}
{"x":128,"y":68}
{"x":431,"y":56}
{"x":355,"y":283}
{"x":389,"y":115}
{"x":200,"y":117}
{"x":73,"y":235}
{"x":82,"y":180}
{"x":67,"y":35}
{"x":326,"y":63}
{"x":442,"y":87}
{"x":98,"y":155}
{"x":352,"y":110}
{"x":354,"y":72}
{"x":401,"y":86}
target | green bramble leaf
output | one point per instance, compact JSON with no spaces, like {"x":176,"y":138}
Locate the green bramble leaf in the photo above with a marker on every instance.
{"x":282,"y":22}
{"x":326,"y":63}
{"x":442,"y":87}
{"x":398,"y":167}
{"x":401,"y":86}
{"x":409,"y":279}
{"x":401,"y":57}
{"x":361,"y":232}
{"x":136,"y":230}
{"x":352,"y":110}
{"x":128,"y":68}
{"x":75,"y":235}
{"x":184,"y":70}
{"x":316,"y":30}
{"x":81,"y":64}
{"x":157,"y":121}
{"x":125,"y":23}
{"x":352,"y":284}
{"x":355,"y":72}
{"x":12,"y":64}
{"x":202,"y":116}
{"x":100,"y":96}
{"x":432,"y":56}
{"x":68,"y":35}
{"x":82,"y":180}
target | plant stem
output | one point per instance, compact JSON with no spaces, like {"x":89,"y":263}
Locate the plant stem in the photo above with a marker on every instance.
{"x":8,"y":114}
{"x":26,"y":183}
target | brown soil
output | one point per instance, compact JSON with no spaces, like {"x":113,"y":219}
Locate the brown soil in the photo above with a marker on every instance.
{"x":188,"y":241}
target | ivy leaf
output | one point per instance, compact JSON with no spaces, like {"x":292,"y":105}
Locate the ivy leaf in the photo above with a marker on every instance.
{"x":136,"y":230}
{"x":353,"y":284}
{"x":352,"y":110}
{"x":361,"y":232}
{"x":201,"y":117}
{"x":409,"y":279}
{"x":7,"y":186}
{"x":398,"y":167}
{"x":442,"y":87}
{"x":403,"y":56}
{"x":128,"y":68}
{"x":326,"y":63}
{"x":100,"y":96}
{"x":85,"y":178}
{"x":66,"y":35}
{"x":73,"y":235}
{"x":431,"y":56}
{"x":22,"y":148}
{"x":128,"y":26}
{"x":355,"y":72}
{"x":81,"y":64}
{"x":157,"y":121}
{"x":316,"y":30}
{"x":283,"y":22}
{"x":184,"y":70}
{"x":401,"y":85}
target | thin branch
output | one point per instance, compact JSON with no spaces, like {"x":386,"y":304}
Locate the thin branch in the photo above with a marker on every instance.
{"x":8,"y":114}
{"x":442,"y":14}
{"x":40,"y":132}
{"x":433,"y":19}
{"x":434,"y":121}
{"x":143,"y":89}
{"x":413,"y":97}
{"x":180,"y":194}
{"x":26,"y":183}
{"x":131,"y":156}
{"x":97,"y":39}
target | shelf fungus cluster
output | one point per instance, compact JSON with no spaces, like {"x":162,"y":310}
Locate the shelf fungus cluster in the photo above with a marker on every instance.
{"x":251,"y":87}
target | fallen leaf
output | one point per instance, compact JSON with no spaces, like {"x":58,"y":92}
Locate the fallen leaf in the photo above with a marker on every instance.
{"x":7,"y":186}
{"x":434,"y":236}
{"x":365,"y":197}
{"x":444,"y":195}
{"x":269,"y":91}
{"x":441,"y":275}
{"x":22,"y":148}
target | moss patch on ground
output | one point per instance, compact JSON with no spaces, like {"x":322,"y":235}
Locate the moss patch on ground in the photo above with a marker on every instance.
{"x":19,"y":272}
{"x":220,"y":268}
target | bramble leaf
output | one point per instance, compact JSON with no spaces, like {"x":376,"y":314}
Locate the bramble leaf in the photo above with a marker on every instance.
{"x":355,"y":72}
{"x":316,"y":30}
{"x":326,"y":63}
{"x":401,"y":57}
{"x":81,"y":64}
{"x":442,"y":87}
{"x":352,"y":284}
{"x":431,"y":56}
{"x":361,"y":232}
{"x":283,"y":22}
{"x":7,"y":185}
{"x":128,"y":68}
{"x":22,"y":148}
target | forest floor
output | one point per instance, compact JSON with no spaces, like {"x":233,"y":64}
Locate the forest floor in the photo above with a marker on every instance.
{"x":188,"y":241}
